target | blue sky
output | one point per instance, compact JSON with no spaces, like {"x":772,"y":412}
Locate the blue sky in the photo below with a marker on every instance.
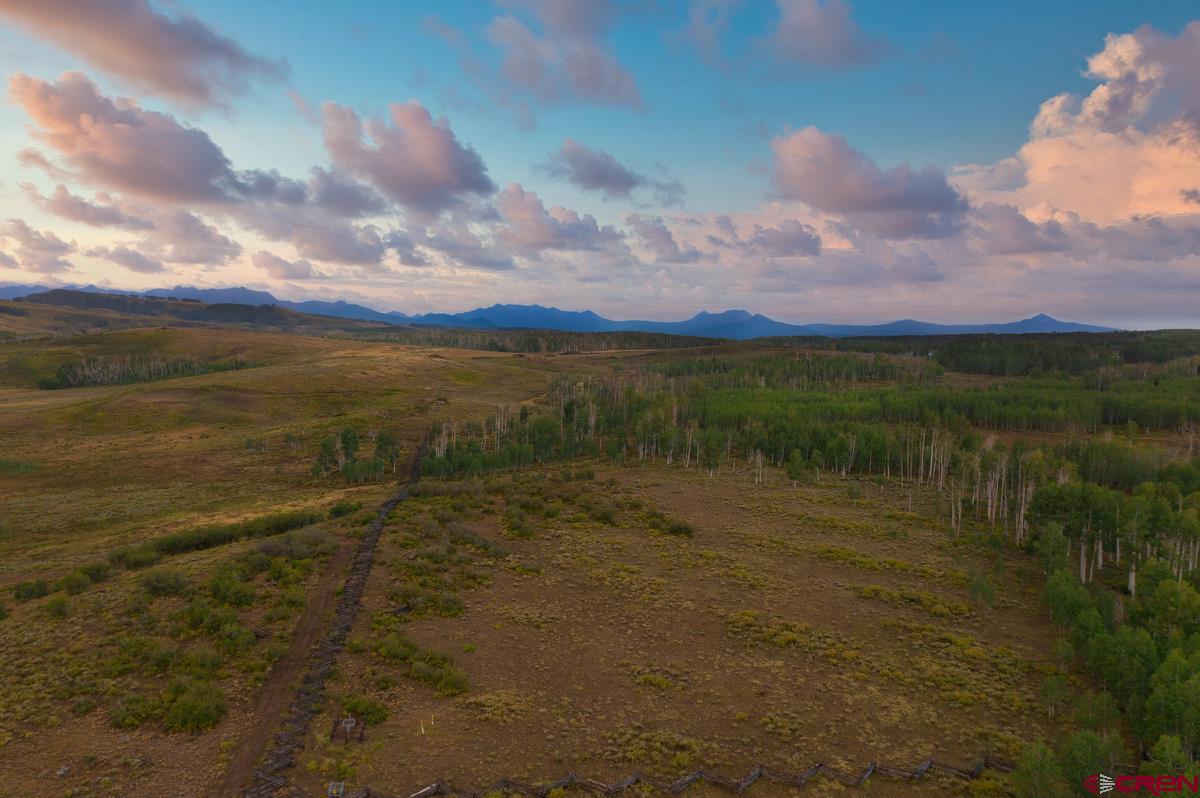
{"x":966,"y":80}
{"x":923,"y":96}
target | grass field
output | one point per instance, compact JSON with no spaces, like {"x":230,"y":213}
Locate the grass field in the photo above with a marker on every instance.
{"x":171,"y":554}
{"x":87,"y":472}
{"x":775,"y":625}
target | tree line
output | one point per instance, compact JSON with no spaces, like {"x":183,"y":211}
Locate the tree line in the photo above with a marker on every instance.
{"x":532,"y":341}
{"x":1114,"y":521}
{"x":341,"y":454}
{"x":123,"y":369}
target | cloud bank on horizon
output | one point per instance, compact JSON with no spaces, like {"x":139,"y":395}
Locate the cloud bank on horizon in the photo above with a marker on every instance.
{"x":546,"y":161}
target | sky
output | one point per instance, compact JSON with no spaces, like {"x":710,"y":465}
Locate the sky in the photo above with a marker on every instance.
{"x":812,"y":160}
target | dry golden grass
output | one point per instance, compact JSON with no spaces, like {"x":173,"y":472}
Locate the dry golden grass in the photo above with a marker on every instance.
{"x":607,"y":647}
{"x":796,"y":625}
{"x":87,"y":470}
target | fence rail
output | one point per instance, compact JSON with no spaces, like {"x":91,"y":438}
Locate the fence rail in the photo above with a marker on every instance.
{"x":310,"y":695}
{"x":759,"y":773}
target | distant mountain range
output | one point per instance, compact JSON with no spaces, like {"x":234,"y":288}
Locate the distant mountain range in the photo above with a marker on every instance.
{"x":735,"y":324}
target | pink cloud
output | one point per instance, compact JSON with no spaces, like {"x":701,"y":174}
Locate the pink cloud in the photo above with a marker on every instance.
{"x":70,"y":206}
{"x":37,"y":251}
{"x":531,"y":228}
{"x":660,"y":241}
{"x":822,"y":33}
{"x":1126,"y":149}
{"x":598,"y":170}
{"x":282,"y":269}
{"x":788,"y":239}
{"x":416,"y":161}
{"x":825,"y":172}
{"x":129,"y":258}
{"x":120,"y":145}
{"x":178,"y":56}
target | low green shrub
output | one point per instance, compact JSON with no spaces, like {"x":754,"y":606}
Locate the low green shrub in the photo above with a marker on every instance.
{"x":235,"y":638}
{"x":202,"y":663}
{"x":58,"y":607}
{"x":31,"y":589}
{"x":343,"y":508}
{"x":301,"y":544}
{"x":11,"y":467}
{"x":226,"y":588}
{"x":74,"y":583}
{"x":96,"y":571}
{"x":134,"y":557}
{"x":368,"y":711}
{"x":132,"y":710}
{"x":429,"y":667}
{"x":84,"y":705}
{"x":193,"y":706}
{"x":165,"y":582}
{"x":680,"y":529}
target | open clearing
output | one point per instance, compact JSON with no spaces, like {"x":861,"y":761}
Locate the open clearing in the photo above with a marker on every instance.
{"x":90,"y":471}
{"x":796,"y":625}
{"x":179,"y":506}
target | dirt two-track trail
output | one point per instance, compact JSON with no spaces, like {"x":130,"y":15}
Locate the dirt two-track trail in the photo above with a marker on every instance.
{"x":279,"y":690}
{"x":276,"y":693}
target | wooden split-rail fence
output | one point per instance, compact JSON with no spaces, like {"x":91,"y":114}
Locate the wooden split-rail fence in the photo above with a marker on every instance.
{"x":269,"y":778}
{"x":508,"y":787}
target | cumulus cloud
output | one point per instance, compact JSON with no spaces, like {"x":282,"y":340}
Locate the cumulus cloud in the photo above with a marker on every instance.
{"x":1002,"y":229}
{"x":788,"y":239}
{"x":176,"y":55}
{"x":531,"y":228}
{"x":120,"y":145}
{"x":822,"y":34}
{"x":825,"y":172}
{"x":707,"y":23}
{"x":37,"y":251}
{"x":1137,"y":72}
{"x":342,"y":195}
{"x":282,"y":269}
{"x":1006,"y":174}
{"x":317,"y":236}
{"x":1127,"y":148}
{"x":660,"y":241}
{"x":1141,"y":238}
{"x":599,"y":171}
{"x":131,"y":259}
{"x":551,"y":52}
{"x":170,"y":234}
{"x":416,"y":161}
{"x":77,"y":209}
{"x":569,"y":60}
{"x":459,"y":245}
{"x":180,"y":236}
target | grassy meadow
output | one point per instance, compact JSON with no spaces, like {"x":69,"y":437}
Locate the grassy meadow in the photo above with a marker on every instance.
{"x":100,"y":629}
{"x":616,"y":561}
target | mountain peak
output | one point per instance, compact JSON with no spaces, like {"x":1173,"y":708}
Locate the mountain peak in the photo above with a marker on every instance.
{"x":726,"y":315}
{"x":734,"y":323}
